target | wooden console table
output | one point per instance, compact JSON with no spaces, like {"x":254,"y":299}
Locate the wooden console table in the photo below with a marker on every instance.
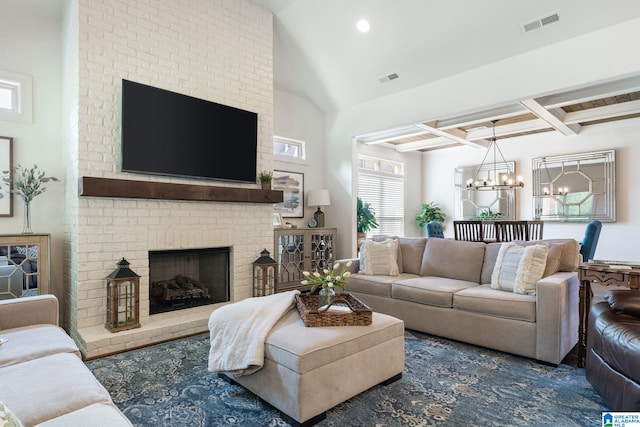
{"x":604,"y":276}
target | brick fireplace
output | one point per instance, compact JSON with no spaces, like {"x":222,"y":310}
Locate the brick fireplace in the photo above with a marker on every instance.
{"x":134,"y":228}
{"x":187,"y":278}
{"x":219,"y":50}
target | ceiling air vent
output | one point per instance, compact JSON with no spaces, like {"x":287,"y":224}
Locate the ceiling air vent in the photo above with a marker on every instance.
{"x":538,"y":23}
{"x":388,"y":77}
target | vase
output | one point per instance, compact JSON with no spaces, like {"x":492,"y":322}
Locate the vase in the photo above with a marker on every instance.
{"x":26,"y":229}
{"x":326,"y":296}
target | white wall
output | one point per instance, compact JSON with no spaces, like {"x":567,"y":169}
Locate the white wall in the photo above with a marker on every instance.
{"x":30,"y":44}
{"x":297,"y":118}
{"x":617,"y":240}
{"x":597,"y":56}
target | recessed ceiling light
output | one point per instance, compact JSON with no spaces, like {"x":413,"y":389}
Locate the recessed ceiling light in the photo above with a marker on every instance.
{"x":363,"y":26}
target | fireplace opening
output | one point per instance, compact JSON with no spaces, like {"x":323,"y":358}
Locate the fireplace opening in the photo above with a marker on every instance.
{"x":186,"y":278}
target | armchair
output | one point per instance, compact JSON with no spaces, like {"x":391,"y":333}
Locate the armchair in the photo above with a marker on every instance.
{"x":590,"y":240}
{"x":613,"y":349}
{"x":434,"y":229}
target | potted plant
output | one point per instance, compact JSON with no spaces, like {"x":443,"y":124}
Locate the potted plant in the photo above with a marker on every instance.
{"x":488,"y":215}
{"x":366,"y":219}
{"x":265,"y":178}
{"x":430,"y":212}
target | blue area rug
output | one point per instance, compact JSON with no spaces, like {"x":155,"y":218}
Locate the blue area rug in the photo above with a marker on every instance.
{"x":444,"y":383}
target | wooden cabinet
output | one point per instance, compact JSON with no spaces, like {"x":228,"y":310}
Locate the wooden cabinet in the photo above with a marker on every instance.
{"x":302,"y":249}
{"x":24,"y":265}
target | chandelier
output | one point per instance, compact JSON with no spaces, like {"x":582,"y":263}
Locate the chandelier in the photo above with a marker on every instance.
{"x":496,"y":177}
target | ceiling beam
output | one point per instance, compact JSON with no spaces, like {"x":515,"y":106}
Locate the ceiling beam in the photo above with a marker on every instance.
{"x":603,"y":90}
{"x":471,"y":119}
{"x":390,"y":135}
{"x":505,"y":131}
{"x":606,"y":112}
{"x":449,"y":135}
{"x":437,"y":142}
{"x":554,"y":117}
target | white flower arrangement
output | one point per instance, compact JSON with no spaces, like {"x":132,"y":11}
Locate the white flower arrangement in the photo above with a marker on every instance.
{"x":328,"y":278}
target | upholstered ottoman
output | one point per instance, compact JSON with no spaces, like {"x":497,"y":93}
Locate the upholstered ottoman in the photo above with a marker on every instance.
{"x":310,"y":370}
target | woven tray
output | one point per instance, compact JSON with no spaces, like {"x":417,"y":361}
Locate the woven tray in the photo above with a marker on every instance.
{"x":357,"y":315}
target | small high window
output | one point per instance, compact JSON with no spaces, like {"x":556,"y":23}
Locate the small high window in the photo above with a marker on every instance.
{"x":286,"y":147}
{"x":8,"y":97}
{"x":15,"y":97}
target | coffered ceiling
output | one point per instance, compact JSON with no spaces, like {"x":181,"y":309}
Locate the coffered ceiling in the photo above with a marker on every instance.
{"x":319,"y":54}
{"x":566,"y":112}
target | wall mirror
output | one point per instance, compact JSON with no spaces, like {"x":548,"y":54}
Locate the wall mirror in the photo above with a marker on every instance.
{"x":485,"y":204}
{"x":575,"y":187}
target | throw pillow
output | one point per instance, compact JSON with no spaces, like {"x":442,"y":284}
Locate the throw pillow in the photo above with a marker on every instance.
{"x":570,"y":251}
{"x":519,"y":268}
{"x":379,"y":238}
{"x":412,"y":249}
{"x":553,"y":260}
{"x":379,"y":258}
{"x":624,"y":301}
{"x":455,"y":259}
{"x":8,"y":418}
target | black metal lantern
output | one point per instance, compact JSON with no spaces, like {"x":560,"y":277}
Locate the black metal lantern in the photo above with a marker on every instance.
{"x":265,"y":279}
{"x":123,"y":298}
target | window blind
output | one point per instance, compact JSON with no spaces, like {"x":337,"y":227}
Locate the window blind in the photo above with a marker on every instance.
{"x":385,"y":194}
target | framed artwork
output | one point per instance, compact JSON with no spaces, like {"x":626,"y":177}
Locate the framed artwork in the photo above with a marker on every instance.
{"x":6,"y":164}
{"x":292,"y":185}
{"x":277,"y":220}
{"x":578,"y":187}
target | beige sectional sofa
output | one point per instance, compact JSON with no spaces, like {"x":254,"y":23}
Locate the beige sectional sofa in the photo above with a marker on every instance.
{"x":444,"y":288}
{"x":43,"y":380}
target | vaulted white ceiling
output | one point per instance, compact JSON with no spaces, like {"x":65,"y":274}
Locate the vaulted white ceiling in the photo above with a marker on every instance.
{"x":318,"y":53}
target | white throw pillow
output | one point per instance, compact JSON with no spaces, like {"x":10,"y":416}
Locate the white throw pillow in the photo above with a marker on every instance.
{"x":379,"y":258}
{"x":519,"y":268}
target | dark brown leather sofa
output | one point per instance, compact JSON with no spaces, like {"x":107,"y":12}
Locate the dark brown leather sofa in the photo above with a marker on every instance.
{"x":613,"y":349}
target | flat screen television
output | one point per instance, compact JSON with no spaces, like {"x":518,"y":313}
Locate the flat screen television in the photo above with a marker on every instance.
{"x":167,"y":133}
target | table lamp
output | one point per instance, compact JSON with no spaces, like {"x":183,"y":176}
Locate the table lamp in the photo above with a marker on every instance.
{"x":319,"y":198}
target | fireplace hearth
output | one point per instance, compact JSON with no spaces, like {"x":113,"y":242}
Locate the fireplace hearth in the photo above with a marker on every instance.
{"x":180,"y":279}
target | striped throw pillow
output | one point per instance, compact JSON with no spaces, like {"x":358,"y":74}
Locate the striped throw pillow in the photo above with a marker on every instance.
{"x":519,"y":268}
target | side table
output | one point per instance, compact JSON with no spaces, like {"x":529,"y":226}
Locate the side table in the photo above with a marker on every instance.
{"x":604,"y":275}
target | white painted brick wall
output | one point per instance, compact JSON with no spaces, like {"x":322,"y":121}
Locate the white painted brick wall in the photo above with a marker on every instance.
{"x":219,"y":50}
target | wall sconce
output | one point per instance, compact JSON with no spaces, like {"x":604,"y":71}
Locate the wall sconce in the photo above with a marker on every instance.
{"x":265,"y":279}
{"x":123,"y":298}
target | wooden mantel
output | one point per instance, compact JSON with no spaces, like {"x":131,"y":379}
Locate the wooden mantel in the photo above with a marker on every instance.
{"x":123,"y":188}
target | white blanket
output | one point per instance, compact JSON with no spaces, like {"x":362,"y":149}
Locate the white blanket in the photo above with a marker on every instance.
{"x":238,"y":332}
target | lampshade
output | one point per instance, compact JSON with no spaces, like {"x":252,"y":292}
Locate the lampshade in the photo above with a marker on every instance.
{"x":318,"y":198}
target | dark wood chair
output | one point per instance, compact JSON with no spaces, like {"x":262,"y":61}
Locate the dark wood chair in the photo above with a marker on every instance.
{"x":489,"y":231}
{"x":507,"y":231}
{"x":468,"y":230}
{"x":534,"y":230}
